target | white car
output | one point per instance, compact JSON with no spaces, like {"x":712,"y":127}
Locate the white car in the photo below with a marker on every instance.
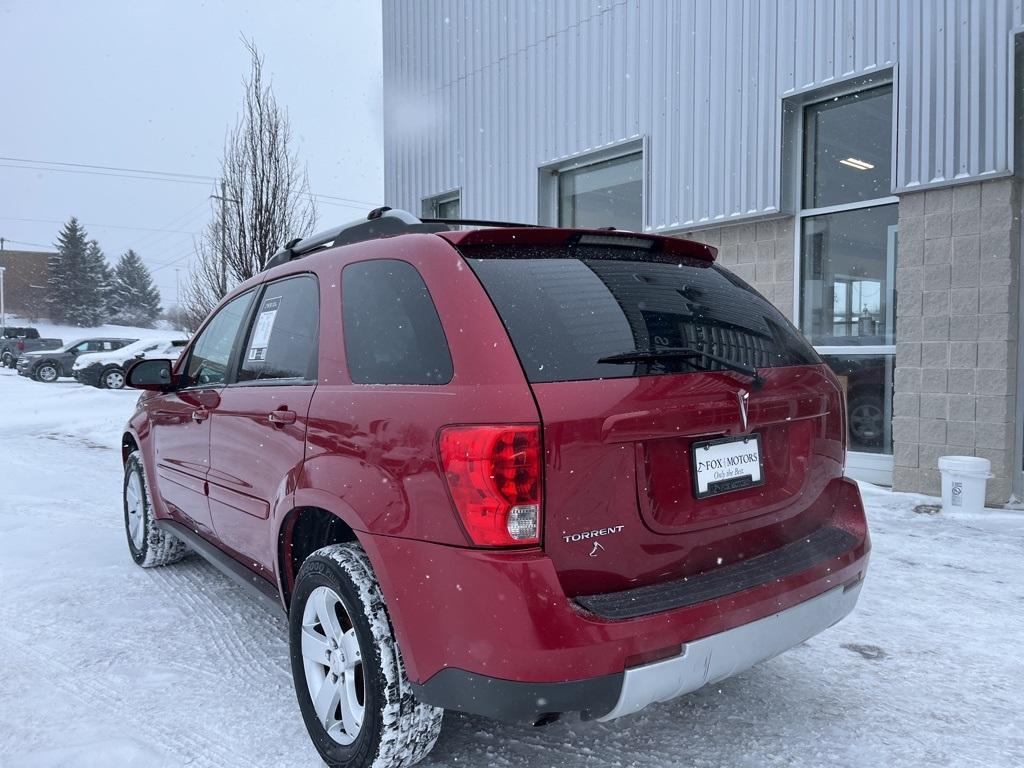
{"x":106,"y":369}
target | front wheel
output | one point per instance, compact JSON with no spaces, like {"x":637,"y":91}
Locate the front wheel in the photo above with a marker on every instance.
{"x":7,"y":360}
{"x":149,"y":545}
{"x":112,"y":378}
{"x":47,"y":372}
{"x":349,"y":678}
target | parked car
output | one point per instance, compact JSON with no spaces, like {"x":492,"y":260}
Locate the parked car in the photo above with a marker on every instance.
{"x":516,"y":472}
{"x":106,"y":369}
{"x":48,"y":366}
{"x":15,"y":341}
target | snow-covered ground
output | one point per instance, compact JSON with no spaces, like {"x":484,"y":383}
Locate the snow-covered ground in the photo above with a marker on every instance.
{"x":104,"y":664}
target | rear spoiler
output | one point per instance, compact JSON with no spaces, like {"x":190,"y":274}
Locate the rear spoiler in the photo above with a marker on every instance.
{"x":654,"y":244}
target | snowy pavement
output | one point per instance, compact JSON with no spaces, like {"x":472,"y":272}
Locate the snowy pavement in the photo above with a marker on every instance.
{"x":104,"y":664}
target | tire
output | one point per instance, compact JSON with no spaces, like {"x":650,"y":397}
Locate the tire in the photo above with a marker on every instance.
{"x":46,"y":373}
{"x":149,"y":546}
{"x":7,"y":360}
{"x":111,"y":378}
{"x":866,"y":416}
{"x":396,"y":730}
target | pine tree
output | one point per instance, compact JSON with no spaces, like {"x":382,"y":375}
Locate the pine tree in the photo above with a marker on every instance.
{"x":65,"y":267}
{"x":135,"y":298}
{"x":95,"y":288}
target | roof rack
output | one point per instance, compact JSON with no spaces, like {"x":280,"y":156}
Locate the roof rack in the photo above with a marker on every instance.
{"x":380,"y":222}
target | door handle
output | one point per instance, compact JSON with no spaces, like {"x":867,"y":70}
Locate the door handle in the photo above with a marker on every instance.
{"x":281,"y":417}
{"x":200,"y":415}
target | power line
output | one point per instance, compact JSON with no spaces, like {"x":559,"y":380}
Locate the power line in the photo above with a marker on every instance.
{"x":102,"y":226}
{"x":141,"y":173}
{"x":109,"y":168}
{"x":101,"y":173}
{"x":22,"y":242}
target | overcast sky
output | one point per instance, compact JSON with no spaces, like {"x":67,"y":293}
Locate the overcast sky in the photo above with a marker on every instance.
{"x":155,"y":86}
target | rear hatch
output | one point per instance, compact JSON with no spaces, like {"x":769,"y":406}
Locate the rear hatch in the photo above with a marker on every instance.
{"x":686,"y":424}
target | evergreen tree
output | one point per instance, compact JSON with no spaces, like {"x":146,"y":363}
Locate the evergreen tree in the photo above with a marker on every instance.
{"x":95,"y":288}
{"x":65,"y":268}
{"x":135,"y":298}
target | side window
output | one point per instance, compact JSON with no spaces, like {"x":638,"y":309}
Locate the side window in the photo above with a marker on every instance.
{"x":80,"y":348}
{"x":283,"y":339}
{"x":212,"y":351}
{"x":392,"y":332}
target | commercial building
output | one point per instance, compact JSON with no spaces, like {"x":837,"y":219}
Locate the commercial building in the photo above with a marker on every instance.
{"x":25,"y":276}
{"x":853,"y":160}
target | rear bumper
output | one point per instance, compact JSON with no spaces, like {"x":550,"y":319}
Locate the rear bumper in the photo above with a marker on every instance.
{"x":717,"y":657}
{"x":494,"y":634}
{"x":701,"y":662}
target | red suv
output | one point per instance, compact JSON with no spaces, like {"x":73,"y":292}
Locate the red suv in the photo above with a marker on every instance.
{"x":513,"y":471}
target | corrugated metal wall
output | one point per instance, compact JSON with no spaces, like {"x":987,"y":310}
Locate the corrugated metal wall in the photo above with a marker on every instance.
{"x":480,"y":95}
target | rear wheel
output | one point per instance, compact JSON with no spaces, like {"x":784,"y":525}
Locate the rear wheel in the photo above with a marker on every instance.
{"x":150,"y":546}
{"x":349,"y":679}
{"x":47,"y":372}
{"x":7,"y":360}
{"x":112,"y":378}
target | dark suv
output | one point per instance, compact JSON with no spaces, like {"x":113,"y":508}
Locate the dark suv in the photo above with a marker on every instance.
{"x":518,"y":472}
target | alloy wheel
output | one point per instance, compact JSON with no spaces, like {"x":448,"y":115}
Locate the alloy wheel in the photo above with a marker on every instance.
{"x":333,"y":664}
{"x":47,"y":373}
{"x":866,"y":422}
{"x":136,"y":509}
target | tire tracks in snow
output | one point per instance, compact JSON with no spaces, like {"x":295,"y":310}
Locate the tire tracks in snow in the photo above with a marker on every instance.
{"x":206,"y":751}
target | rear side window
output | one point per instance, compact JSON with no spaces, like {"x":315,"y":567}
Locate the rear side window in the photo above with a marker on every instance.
{"x":282,"y":342}
{"x":392,"y":332}
{"x":565,"y":310}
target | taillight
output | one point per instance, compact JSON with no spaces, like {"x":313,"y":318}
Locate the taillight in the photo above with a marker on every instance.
{"x":494,"y":474}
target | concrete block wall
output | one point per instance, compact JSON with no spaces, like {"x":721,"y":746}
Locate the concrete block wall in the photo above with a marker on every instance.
{"x":759,"y":252}
{"x":956,"y":332}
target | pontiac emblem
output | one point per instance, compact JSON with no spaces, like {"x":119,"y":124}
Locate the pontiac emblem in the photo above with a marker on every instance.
{"x":743,"y":397}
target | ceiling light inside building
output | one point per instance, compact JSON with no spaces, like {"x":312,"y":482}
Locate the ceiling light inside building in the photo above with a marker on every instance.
{"x":859,"y":165}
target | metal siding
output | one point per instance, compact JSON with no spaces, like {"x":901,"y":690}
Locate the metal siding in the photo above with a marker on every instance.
{"x":479,"y":96}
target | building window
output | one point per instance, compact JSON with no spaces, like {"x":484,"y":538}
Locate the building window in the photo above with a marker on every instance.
{"x":608,"y":193}
{"x":847,"y":250}
{"x":447,"y":206}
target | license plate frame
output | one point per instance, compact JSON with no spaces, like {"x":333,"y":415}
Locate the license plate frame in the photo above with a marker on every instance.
{"x":727,"y":485}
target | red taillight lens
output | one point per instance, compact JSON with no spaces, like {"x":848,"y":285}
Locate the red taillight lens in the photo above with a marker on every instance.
{"x":494,"y":474}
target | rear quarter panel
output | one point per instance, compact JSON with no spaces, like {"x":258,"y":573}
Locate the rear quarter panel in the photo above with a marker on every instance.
{"x":372,"y":448}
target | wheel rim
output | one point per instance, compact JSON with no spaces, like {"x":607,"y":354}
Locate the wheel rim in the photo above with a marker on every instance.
{"x":114,"y":380}
{"x":48,"y":373}
{"x":135,"y":509}
{"x":333,"y":664}
{"x":866,"y":421}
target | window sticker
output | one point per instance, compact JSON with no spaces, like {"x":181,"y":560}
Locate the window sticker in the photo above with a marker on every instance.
{"x":264,"y":327}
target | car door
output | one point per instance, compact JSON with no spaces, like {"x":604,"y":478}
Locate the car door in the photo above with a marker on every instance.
{"x":180,"y":420}
{"x":258,"y":429}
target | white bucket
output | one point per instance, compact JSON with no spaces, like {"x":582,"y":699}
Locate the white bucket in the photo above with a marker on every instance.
{"x":963,"y":483}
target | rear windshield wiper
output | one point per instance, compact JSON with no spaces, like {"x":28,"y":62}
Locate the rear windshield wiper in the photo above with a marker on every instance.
{"x":686,"y":354}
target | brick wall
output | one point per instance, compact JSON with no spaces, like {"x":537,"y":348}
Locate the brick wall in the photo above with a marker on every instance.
{"x":761,"y":253}
{"x":956,"y":331}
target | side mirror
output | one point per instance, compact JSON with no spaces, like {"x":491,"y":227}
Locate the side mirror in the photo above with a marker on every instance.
{"x":154,"y":375}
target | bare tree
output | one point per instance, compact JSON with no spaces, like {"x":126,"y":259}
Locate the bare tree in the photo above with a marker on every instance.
{"x":263,"y":199}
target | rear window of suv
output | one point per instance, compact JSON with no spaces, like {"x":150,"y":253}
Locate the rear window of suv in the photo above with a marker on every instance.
{"x":566,"y":308}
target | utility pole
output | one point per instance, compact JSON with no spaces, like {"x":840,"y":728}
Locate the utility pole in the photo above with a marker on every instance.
{"x":223,"y":235}
{"x":177,"y":288}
